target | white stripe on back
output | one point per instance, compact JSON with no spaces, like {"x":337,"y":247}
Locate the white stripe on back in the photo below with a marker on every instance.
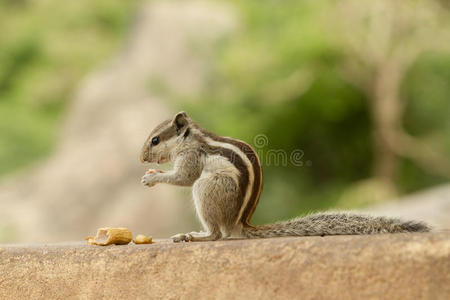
{"x":245,"y":159}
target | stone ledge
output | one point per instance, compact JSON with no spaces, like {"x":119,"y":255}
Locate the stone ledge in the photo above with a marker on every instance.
{"x":399,"y":266}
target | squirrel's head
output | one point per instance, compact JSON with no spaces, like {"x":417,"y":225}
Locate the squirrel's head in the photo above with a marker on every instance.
{"x":165,"y":138}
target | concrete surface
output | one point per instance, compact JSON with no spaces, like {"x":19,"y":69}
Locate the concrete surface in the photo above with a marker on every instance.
{"x":398,"y":266}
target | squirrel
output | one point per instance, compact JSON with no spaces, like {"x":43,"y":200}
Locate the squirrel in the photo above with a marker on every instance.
{"x":226,"y":179}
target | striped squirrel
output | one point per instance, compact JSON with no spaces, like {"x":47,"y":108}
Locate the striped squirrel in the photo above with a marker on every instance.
{"x":227,"y":180}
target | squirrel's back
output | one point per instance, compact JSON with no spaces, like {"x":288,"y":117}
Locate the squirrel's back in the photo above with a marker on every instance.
{"x":335,"y":223}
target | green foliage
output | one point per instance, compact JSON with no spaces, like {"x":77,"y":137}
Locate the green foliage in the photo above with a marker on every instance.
{"x":45,"y":49}
{"x":427,"y":90}
{"x":280,"y":75}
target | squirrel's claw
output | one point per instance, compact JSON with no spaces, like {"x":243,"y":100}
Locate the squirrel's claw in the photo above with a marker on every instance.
{"x":181,"y":237}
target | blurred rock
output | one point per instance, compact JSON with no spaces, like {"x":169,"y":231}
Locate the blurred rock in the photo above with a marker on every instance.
{"x":93,"y":178}
{"x":432,"y":206}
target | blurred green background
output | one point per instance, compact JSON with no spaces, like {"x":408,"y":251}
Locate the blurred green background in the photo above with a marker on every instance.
{"x":362,"y":90}
{"x":350,"y":84}
{"x":46,"y":47}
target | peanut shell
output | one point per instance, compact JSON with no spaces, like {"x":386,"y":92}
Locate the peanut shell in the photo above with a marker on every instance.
{"x":108,"y":236}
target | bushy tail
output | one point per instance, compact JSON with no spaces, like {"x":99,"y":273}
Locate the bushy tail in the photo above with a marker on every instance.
{"x":335,"y":224}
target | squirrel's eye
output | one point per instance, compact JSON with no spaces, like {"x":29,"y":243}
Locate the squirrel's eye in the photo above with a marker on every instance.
{"x":155,"y":140}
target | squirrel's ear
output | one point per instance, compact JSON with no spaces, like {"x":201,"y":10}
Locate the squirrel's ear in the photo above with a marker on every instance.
{"x":180,"y":120}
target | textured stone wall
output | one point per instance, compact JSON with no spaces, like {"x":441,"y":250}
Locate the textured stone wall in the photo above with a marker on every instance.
{"x":399,"y":266}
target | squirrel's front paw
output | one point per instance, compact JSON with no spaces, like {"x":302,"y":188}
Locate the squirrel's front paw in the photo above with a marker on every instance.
{"x":146,"y":180}
{"x":149,"y":178}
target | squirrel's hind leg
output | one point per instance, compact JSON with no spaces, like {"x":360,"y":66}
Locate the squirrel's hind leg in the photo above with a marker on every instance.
{"x":215,"y":202}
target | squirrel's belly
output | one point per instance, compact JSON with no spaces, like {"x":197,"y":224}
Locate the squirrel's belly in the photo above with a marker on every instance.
{"x":217,"y":165}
